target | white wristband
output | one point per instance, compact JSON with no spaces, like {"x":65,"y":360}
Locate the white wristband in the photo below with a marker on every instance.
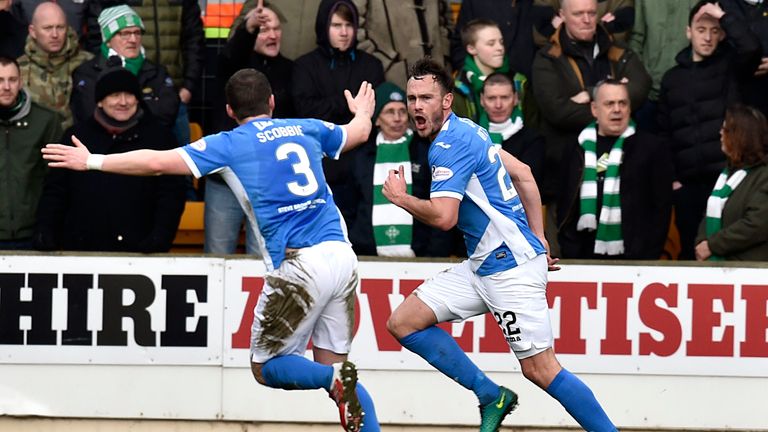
{"x":94,"y":162}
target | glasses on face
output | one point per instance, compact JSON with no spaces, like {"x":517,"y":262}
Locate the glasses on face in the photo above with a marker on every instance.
{"x":127,"y":34}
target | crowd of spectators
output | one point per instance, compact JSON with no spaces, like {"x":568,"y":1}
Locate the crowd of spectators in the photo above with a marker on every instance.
{"x":625,"y":110}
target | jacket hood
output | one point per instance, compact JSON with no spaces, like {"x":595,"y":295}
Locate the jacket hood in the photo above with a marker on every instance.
{"x":323,"y":21}
{"x":25,"y":108}
{"x":70,"y":49}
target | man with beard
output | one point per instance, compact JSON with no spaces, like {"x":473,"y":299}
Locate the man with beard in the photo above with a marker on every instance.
{"x":495,"y":202}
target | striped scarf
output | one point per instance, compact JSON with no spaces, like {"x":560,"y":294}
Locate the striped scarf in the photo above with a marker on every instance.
{"x":132,"y":64}
{"x":502,"y":131}
{"x":608,"y":239}
{"x":392,"y":226}
{"x":724,"y":187}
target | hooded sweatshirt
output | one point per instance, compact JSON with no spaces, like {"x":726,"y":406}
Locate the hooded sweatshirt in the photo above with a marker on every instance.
{"x":319,"y":80}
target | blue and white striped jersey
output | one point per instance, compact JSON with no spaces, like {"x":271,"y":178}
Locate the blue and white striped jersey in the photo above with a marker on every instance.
{"x":275,"y":171}
{"x":466,"y":165}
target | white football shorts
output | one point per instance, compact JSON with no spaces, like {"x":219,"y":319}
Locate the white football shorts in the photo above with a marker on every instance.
{"x":517,"y":298}
{"x":311,"y":294}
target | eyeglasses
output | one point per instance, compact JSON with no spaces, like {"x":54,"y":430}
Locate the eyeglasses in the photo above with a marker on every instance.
{"x":126,"y":34}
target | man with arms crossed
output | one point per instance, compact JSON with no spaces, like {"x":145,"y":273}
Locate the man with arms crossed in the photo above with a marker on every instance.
{"x":475,"y":184}
{"x":312,"y":271}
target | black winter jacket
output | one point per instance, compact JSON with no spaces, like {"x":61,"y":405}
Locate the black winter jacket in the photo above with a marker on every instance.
{"x":98,"y":211}
{"x":157,"y":91}
{"x":319,"y":80}
{"x":646,"y":200}
{"x":694,"y":96}
{"x":238,"y":54}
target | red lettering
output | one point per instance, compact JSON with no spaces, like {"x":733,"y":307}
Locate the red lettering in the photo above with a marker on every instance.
{"x":378,"y":291}
{"x":571,"y":295}
{"x":617,"y":296}
{"x":756,"y":321}
{"x":704,"y":319}
{"x":659,"y":319}
{"x":242,"y":337}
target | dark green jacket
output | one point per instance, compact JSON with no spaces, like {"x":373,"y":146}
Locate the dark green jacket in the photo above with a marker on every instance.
{"x":22,"y":168}
{"x":744,"y":232}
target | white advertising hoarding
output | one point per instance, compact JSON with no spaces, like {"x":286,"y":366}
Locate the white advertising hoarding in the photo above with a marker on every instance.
{"x":198,"y":311}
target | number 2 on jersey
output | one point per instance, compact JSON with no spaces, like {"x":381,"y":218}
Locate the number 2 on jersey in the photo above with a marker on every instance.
{"x":302,"y":168}
{"x":507,"y":191}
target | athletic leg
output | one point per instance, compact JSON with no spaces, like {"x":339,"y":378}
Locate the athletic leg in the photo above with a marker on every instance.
{"x":413,"y":324}
{"x":517,"y":298}
{"x":545,"y":371}
{"x":332,"y":336}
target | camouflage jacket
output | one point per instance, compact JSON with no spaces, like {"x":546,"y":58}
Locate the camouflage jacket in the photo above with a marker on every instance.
{"x":48,"y":77}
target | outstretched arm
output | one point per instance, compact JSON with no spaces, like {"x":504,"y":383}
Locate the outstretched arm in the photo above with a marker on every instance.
{"x":137,"y":162}
{"x":442,"y":212}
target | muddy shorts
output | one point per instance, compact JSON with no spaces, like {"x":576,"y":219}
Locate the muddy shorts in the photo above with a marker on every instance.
{"x":517,"y":298}
{"x":311,"y":295}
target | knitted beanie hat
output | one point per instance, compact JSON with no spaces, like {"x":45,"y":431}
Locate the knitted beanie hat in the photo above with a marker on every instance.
{"x":387,"y":92}
{"x":116,"y":79}
{"x":113,"y":19}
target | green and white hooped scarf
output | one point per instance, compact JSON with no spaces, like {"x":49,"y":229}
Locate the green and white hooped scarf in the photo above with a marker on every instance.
{"x":724,"y":187}
{"x":392,"y":226}
{"x":132,"y":64}
{"x":502,"y":131}
{"x":608,"y":239}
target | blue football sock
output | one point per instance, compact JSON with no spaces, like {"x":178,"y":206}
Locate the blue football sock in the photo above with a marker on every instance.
{"x":580,"y":402}
{"x":294,"y":372}
{"x":441,"y":351}
{"x":370,"y":421}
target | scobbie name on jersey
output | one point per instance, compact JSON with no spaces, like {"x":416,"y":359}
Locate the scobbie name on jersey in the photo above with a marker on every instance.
{"x":279,"y":132}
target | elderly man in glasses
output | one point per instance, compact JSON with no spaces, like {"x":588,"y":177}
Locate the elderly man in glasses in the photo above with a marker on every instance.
{"x":121,"y":32}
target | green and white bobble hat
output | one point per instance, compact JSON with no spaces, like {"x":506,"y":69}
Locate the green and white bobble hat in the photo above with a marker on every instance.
{"x":112,"y":20}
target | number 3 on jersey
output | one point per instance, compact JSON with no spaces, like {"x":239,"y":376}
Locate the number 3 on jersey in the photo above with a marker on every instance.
{"x":302,"y":168}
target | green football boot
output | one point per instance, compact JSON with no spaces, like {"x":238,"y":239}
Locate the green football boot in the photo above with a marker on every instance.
{"x":493,"y":413}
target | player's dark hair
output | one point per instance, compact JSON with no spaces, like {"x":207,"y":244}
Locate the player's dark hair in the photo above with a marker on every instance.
{"x":498,"y":78}
{"x":427,"y":66}
{"x":248,"y":93}
{"x":695,"y":9}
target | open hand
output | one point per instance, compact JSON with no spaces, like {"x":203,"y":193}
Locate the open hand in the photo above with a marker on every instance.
{"x":64,"y":156}
{"x":364,"y":101}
